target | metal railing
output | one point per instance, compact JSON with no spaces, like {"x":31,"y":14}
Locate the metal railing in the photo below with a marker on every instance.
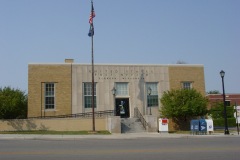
{"x":139,"y":115}
{"x":81,"y":115}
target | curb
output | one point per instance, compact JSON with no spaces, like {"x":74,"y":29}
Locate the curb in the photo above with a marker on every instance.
{"x":107,"y":137}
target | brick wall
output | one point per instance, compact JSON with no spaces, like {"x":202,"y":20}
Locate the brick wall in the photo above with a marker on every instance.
{"x":185,"y":73}
{"x":60,"y":74}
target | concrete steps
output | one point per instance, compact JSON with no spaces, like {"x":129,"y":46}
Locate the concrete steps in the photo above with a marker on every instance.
{"x":131,"y":125}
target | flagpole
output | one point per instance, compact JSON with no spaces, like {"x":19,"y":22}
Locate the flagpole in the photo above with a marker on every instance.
{"x":93,"y":111}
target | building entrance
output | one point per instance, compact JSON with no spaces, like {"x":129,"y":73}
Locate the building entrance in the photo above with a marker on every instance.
{"x":122,"y":107}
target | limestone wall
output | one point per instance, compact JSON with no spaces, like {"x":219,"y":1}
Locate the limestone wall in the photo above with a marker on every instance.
{"x":71,"y":124}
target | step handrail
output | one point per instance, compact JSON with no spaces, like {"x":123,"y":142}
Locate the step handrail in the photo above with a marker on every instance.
{"x":139,"y":115}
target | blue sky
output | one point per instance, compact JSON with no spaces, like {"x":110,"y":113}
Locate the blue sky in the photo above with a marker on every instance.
{"x":126,"y":31}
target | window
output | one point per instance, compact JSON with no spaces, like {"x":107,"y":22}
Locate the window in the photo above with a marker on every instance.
{"x":88,"y":95}
{"x":186,"y":85}
{"x":122,"y":89}
{"x":49,"y":95}
{"x":152,"y":99}
{"x":227,"y":103}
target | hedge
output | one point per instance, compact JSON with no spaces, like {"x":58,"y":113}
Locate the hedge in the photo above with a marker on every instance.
{"x":221,"y":123}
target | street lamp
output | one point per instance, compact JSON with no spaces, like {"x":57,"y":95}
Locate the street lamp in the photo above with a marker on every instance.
{"x":149,"y":91}
{"x":226,"y":131}
{"x":114,"y":91}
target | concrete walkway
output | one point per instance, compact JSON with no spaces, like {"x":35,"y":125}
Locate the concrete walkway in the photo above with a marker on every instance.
{"x":112,"y":136}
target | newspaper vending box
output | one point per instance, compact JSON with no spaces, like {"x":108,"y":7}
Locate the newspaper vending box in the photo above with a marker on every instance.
{"x":163,"y":125}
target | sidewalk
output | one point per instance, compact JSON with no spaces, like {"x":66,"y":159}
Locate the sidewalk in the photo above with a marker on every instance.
{"x":112,"y":136}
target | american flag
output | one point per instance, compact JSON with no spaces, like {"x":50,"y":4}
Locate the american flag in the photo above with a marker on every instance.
{"x":92,"y":15}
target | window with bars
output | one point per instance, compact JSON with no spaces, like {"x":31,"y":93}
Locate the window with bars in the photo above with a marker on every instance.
{"x":122,"y":89}
{"x":88,"y":95}
{"x":152,"y":99}
{"x":49,"y":95}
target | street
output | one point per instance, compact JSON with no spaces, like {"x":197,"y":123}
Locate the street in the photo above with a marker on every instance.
{"x":196,"y":148}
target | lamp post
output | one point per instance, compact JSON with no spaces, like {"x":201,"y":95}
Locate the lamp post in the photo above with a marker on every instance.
{"x":114,"y":91}
{"x":149,"y":91}
{"x":226,"y":131}
{"x":114,"y":94}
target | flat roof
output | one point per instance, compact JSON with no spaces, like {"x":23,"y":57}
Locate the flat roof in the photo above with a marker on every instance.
{"x":118,"y":64}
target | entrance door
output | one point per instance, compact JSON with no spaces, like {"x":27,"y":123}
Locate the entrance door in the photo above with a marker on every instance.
{"x":122,"y":107}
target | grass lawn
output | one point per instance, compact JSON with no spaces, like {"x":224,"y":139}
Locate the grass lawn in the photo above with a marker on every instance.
{"x":58,"y":132}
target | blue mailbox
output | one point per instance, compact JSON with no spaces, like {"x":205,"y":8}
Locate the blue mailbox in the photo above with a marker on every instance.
{"x":202,"y":126}
{"x":194,"y":126}
{"x":199,"y":126}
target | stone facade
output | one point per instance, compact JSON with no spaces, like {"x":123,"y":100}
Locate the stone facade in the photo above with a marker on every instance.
{"x":67,"y":124}
{"x":69,"y":79}
{"x":106,"y":76}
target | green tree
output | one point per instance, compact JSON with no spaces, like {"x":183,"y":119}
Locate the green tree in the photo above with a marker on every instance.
{"x":181,"y":62}
{"x":182,"y":106}
{"x":13,"y":103}
{"x":213,"y":92}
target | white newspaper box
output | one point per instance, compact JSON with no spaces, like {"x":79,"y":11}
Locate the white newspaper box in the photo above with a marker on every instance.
{"x":163,"y":125}
{"x":210,"y":127}
{"x":237,"y":114}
